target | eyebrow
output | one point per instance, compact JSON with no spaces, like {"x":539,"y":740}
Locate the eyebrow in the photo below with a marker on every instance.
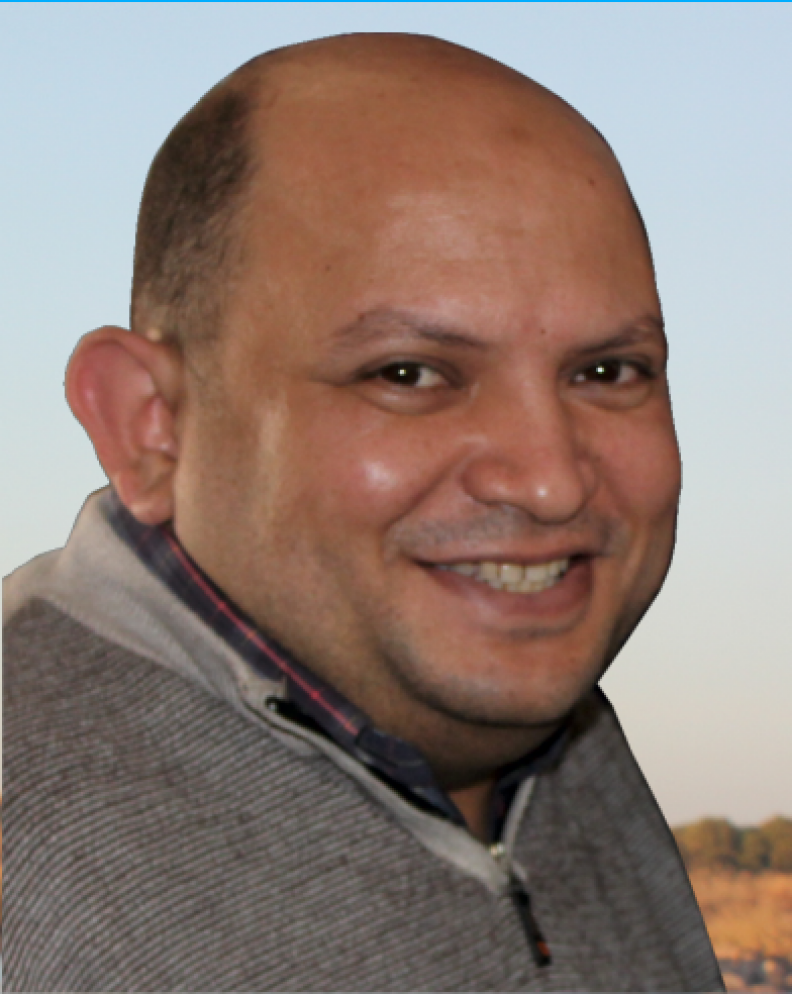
{"x":647,"y":328}
{"x":374,"y":325}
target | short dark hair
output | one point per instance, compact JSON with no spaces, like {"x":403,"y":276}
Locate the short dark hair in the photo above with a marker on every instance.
{"x":188,"y":226}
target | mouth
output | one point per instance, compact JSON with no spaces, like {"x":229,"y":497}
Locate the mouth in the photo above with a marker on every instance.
{"x":496,"y":591}
{"x":512,"y":577}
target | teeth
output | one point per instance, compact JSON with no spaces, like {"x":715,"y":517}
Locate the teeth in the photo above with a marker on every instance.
{"x":466,"y":569}
{"x":513,"y":577}
{"x":511,"y":573}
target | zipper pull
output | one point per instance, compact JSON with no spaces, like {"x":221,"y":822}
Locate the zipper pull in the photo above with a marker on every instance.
{"x":521,"y":900}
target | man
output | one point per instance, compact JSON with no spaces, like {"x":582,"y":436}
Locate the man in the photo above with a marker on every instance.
{"x":307,"y":703}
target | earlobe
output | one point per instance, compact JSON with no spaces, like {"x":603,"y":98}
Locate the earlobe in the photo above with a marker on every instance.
{"x":125,"y":391}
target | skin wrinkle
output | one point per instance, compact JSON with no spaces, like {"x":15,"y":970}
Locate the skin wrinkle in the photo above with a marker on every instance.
{"x":415,"y":202}
{"x":427,"y":540}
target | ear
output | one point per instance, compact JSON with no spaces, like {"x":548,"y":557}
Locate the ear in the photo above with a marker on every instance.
{"x":125,"y":390}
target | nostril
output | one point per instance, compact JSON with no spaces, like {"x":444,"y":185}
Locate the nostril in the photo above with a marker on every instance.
{"x":552,"y":487}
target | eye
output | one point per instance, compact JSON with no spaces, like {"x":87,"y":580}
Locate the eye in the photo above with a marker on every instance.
{"x":414,"y":375}
{"x":611,"y":372}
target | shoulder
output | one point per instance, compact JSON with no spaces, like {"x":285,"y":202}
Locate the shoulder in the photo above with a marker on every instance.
{"x":82,"y":712}
{"x":620,"y":871}
{"x":96,"y":738}
{"x":133,"y":796}
{"x":600,"y":783}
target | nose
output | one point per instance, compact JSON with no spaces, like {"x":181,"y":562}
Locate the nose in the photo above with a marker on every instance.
{"x":529,"y":454}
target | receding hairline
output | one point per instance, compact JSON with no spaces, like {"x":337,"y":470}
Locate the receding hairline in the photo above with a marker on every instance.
{"x":178,"y":289}
{"x":391,"y":56}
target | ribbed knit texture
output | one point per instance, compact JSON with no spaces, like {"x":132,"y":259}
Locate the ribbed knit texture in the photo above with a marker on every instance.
{"x":155,"y":840}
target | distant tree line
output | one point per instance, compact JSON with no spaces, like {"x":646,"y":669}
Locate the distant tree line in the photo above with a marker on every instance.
{"x":717,"y":844}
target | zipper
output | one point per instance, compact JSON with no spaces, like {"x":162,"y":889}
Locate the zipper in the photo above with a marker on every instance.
{"x":521,"y":899}
{"x":516,"y":890}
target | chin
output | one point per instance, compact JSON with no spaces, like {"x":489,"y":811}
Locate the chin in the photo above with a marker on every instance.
{"x":514,"y":693}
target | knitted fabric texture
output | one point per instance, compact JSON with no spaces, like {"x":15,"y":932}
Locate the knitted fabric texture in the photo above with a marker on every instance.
{"x":158,"y":839}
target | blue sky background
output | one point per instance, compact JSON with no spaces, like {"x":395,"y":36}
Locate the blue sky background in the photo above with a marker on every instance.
{"x":695,"y":99}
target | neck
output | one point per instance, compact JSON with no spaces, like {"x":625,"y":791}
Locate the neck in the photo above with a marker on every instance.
{"x":474,"y":806}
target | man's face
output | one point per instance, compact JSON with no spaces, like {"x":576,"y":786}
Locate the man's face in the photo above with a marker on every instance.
{"x":437,"y":460}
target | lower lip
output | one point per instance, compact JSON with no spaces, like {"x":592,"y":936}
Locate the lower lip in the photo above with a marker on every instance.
{"x":556,"y":604}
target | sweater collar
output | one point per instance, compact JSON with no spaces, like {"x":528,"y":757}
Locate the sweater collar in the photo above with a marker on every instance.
{"x":308,"y":700}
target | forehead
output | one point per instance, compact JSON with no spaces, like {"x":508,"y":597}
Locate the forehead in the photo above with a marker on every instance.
{"x":366,"y":131}
{"x":373,"y":194}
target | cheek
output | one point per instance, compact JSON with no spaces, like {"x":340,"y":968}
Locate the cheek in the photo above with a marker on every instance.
{"x":379,"y":478}
{"x":639,"y":458}
{"x":364,"y":483}
{"x":643,"y":473}
{"x":645,"y":481}
{"x":659,"y":478}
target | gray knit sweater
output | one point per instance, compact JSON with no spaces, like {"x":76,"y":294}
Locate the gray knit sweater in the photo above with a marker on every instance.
{"x":164,"y":831}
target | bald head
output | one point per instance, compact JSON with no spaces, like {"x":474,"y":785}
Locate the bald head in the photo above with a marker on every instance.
{"x":324,"y":128}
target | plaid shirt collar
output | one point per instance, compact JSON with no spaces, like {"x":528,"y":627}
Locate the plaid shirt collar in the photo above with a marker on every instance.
{"x":309,"y":700}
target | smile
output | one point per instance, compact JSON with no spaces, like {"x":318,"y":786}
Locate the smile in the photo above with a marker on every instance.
{"x":514,"y":578}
